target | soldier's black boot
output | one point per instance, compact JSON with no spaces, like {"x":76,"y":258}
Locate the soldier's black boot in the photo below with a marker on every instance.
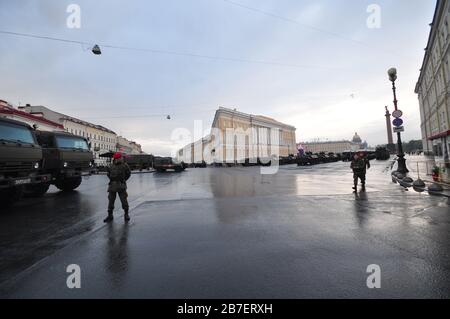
{"x":126,"y":217}
{"x":355,"y":188}
{"x":110,"y":217}
{"x":363,"y":187}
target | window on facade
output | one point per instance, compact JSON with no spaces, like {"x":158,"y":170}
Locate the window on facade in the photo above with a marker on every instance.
{"x":437,"y":149}
{"x":447,"y":70}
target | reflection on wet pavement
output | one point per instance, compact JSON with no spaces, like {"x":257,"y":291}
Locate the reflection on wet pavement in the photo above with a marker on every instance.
{"x":231,"y":232}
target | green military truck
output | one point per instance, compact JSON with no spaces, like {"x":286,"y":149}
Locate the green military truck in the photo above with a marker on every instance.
{"x":21,"y":159}
{"x":66,"y":157}
{"x":382,"y":153}
{"x":161,"y":164}
{"x":139,"y":161}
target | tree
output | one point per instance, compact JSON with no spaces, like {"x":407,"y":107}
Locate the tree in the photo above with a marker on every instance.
{"x":413,"y":146}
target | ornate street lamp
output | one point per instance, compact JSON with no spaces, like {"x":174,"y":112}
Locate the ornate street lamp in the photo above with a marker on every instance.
{"x":392,"y":72}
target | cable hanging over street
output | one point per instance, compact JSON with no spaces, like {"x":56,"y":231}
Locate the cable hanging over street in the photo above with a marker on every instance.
{"x":96,"y":49}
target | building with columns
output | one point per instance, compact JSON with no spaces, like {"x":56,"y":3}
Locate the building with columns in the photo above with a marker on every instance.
{"x":236,"y":137}
{"x":337,"y":147}
{"x":433,"y":90}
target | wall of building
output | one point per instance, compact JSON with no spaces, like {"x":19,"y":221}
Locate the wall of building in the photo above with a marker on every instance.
{"x":237,"y":136}
{"x":337,"y":147}
{"x":101,"y":141}
{"x":127,"y":146}
{"x":433,"y":89}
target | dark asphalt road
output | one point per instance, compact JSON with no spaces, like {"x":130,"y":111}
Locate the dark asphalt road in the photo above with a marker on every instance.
{"x":231,"y":233}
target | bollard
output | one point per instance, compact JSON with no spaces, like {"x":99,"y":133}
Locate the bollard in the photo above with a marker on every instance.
{"x":435,"y":188}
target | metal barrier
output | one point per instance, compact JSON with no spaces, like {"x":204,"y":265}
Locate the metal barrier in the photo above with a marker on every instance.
{"x":424,"y":166}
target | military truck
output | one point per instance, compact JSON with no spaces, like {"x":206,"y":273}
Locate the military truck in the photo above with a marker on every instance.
{"x":66,"y":157}
{"x":21,"y":159}
{"x":139,"y":161}
{"x":382,"y":153}
{"x":161,"y":164}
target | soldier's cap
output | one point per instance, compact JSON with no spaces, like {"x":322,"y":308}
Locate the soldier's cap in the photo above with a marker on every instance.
{"x":117,"y":155}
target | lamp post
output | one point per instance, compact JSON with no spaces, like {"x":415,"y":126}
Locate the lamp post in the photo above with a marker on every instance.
{"x":392,"y":72}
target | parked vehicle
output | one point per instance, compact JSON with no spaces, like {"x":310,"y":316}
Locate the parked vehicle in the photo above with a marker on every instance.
{"x":201,"y":164}
{"x":21,"y":159}
{"x":333,"y":157}
{"x":347,"y":156}
{"x":161,"y":164}
{"x":250,"y":162}
{"x":66,"y":157}
{"x":291,"y":159}
{"x":139,"y":161}
{"x":302,"y":160}
{"x":323,"y":158}
{"x":382,"y":153}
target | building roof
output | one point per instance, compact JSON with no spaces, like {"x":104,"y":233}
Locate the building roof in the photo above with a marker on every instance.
{"x":10,"y":110}
{"x":325,"y":142}
{"x":356,"y":139}
{"x":261,"y":118}
{"x":78,"y":121}
{"x":69,"y":118}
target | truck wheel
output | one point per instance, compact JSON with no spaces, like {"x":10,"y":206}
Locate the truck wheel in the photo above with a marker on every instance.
{"x":68,"y":184}
{"x":36,"y":190}
{"x":10,"y":195}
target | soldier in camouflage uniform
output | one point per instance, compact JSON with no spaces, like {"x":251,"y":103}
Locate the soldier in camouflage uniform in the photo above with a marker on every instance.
{"x":118,"y":174}
{"x":359,"y":165}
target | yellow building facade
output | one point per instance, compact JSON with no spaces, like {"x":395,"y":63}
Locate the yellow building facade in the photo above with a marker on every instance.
{"x":237,"y":137}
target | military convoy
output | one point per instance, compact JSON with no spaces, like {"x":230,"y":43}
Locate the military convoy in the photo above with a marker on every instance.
{"x":30,"y":160}
{"x":21,"y":159}
{"x":313,"y":159}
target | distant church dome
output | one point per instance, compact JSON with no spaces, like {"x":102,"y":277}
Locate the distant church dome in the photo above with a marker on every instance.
{"x":356,"y":139}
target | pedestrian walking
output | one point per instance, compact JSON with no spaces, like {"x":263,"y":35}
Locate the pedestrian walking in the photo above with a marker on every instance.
{"x":359,"y":166}
{"x":118,"y":174}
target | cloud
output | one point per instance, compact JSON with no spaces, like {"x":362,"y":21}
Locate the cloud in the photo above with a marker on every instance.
{"x":311,"y":14}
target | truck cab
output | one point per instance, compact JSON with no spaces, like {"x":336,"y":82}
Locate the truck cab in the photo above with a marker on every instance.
{"x":21,"y":159}
{"x":66,"y":157}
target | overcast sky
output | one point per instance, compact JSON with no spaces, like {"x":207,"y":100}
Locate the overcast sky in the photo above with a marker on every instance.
{"x":328,"y":76}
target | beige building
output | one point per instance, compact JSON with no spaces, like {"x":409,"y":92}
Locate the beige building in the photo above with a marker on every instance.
{"x":337,"y":147}
{"x":236,"y":137}
{"x":127,"y":146}
{"x":433,"y":89}
{"x":102,"y":139}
